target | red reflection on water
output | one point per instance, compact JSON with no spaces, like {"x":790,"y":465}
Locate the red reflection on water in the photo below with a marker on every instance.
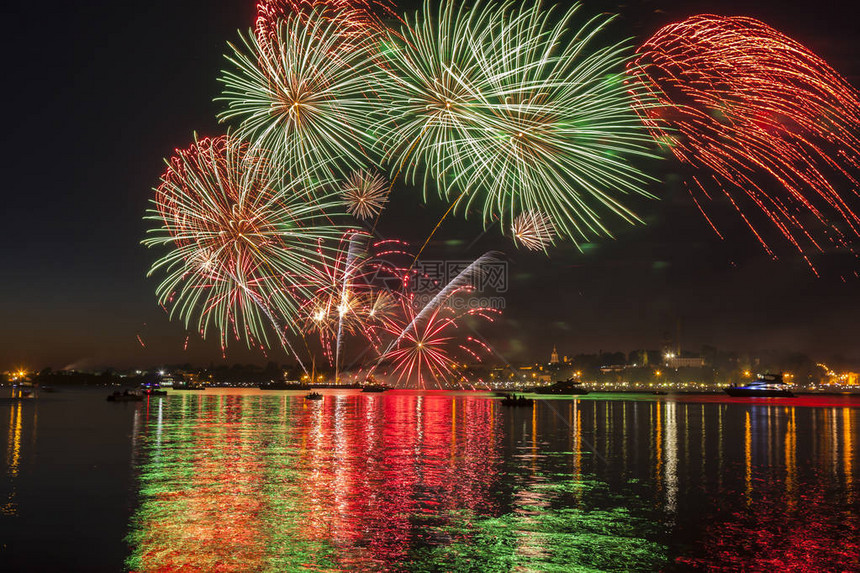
{"x":787,"y":523}
{"x":352,"y":479}
{"x":774,"y":538}
{"x":375,"y":470}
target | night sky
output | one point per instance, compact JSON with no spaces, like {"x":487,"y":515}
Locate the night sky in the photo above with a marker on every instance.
{"x":97,"y":93}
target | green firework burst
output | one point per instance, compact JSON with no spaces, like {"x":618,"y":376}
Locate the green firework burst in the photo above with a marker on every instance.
{"x":305,"y":94}
{"x":511,"y":110}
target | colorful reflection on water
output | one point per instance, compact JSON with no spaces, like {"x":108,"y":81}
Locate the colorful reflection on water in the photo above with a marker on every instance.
{"x":399,"y":481}
{"x":254,"y":481}
{"x":455,"y":482}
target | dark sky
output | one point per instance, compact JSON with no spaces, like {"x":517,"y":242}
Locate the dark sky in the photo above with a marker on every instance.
{"x":97,"y":93}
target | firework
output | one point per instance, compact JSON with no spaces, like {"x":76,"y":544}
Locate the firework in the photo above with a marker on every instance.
{"x":365,"y":194}
{"x":239,"y":245}
{"x":533,"y":230}
{"x":353,"y":288}
{"x":427,"y":337}
{"x":338,"y":298}
{"x":762,"y":120}
{"x":428,"y":342}
{"x":304,"y":97}
{"x":512,"y":109}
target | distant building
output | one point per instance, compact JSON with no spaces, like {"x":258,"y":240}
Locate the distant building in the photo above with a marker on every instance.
{"x":669,"y":347}
{"x":553,"y":359}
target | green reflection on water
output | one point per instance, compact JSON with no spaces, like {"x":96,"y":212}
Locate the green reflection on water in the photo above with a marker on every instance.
{"x":541,"y":538}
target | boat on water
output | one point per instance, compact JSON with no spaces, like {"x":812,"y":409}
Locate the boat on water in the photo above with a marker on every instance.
{"x":154,"y":392}
{"x":196,"y":387}
{"x":569,"y":387}
{"x":313,"y":396}
{"x":125,"y":396}
{"x":374,"y":388}
{"x":371,"y":385}
{"x":764,"y":386}
{"x":514,"y":400}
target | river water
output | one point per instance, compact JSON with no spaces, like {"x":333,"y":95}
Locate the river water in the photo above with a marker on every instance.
{"x":245,"y":480}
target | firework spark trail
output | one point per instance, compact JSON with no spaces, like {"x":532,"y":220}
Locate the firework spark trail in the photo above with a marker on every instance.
{"x":382,"y":281}
{"x":512,"y":109}
{"x":346,"y":286}
{"x":745,"y":103}
{"x":328,"y":298}
{"x":463,"y":279}
{"x":238,"y":244}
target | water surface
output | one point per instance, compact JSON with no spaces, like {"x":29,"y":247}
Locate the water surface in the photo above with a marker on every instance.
{"x":243,"y":480}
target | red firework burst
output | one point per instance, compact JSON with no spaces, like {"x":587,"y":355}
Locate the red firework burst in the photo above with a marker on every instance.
{"x":237,"y":245}
{"x":765,"y":121}
{"x":428,"y":343}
